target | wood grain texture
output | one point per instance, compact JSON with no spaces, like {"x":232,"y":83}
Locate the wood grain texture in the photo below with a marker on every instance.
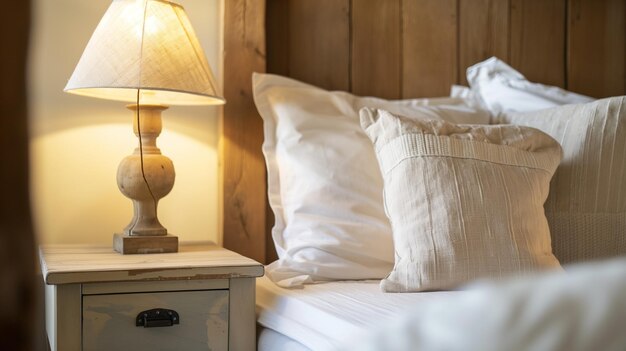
{"x":538,"y":26}
{"x":244,"y":190}
{"x":376,"y":59}
{"x":596,"y":61}
{"x":429,"y":55}
{"x":277,"y":28}
{"x":144,"y":244}
{"x":483,"y":32}
{"x":65,"y":264}
{"x":242,"y":315}
{"x":319,"y":42}
{"x":17,"y":248}
{"x":270,"y":248}
{"x":146,"y":286}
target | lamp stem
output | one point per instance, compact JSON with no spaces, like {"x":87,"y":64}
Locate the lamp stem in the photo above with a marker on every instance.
{"x":146,"y":176}
{"x":152,"y":143}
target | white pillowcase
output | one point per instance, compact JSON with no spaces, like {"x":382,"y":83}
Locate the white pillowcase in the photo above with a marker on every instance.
{"x":464,"y":202}
{"x":586,"y":208}
{"x":324,"y":184}
{"x":503,"y":89}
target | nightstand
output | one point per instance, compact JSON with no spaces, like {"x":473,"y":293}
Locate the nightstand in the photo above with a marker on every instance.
{"x":200,"y":298}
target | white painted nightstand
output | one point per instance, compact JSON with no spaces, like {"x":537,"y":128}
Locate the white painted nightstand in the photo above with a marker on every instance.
{"x":201,"y":298}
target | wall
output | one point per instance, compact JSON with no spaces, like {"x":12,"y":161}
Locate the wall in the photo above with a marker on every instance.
{"x":77,"y":142}
{"x":418,"y":48}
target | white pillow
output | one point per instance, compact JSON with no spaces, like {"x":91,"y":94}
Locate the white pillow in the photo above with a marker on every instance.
{"x":469,"y":95}
{"x":324,"y":184}
{"x":464,"y":202}
{"x":586,"y":207}
{"x":503,"y":89}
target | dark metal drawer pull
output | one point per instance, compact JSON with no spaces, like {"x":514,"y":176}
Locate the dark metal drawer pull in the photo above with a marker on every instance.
{"x":157,"y":317}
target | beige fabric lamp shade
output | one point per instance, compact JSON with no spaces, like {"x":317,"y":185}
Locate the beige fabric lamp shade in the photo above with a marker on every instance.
{"x":148,"y":45}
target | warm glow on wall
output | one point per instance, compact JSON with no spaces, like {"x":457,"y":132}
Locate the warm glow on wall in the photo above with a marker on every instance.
{"x":73,"y":190}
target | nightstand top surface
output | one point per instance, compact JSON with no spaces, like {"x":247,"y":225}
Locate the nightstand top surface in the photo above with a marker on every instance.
{"x":66,"y":264}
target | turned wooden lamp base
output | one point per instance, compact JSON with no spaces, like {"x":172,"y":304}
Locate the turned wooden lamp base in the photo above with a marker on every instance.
{"x":145,"y":177}
{"x":145,"y":244}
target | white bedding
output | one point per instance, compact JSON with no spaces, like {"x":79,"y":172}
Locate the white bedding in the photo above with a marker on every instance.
{"x":270,"y":340}
{"x":581,"y":309}
{"x":322,"y":316}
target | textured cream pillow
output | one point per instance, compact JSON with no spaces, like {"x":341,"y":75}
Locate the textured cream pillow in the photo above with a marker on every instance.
{"x":324,"y":185}
{"x":464,"y":202}
{"x":586,"y":207}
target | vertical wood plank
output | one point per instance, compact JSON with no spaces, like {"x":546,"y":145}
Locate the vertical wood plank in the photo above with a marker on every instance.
{"x":17,"y":246}
{"x":277,"y":33}
{"x":429,"y":56}
{"x":538,"y":40}
{"x":277,"y":29}
{"x":376,"y":48}
{"x":483,"y":32}
{"x":244,"y":197}
{"x":596,"y":43}
{"x":242,"y":321}
{"x":270,"y":248}
{"x":319,"y":42}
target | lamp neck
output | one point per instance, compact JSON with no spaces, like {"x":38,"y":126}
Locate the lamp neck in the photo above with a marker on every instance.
{"x":147,"y":125}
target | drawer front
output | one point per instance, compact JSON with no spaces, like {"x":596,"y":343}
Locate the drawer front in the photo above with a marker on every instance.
{"x":109,"y":321}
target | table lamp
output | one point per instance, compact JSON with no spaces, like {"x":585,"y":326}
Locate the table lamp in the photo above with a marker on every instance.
{"x":145,"y":52}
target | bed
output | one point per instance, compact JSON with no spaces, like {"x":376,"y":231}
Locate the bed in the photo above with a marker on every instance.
{"x":391,"y":49}
{"x":322,"y":316}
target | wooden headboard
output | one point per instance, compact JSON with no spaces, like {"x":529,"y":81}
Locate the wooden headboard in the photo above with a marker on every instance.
{"x":395,"y":49}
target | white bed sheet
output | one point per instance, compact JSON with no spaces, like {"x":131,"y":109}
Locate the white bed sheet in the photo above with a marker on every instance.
{"x":271,"y":340}
{"x":322,"y":316}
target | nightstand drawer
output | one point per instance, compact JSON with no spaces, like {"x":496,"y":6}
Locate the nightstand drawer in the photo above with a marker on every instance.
{"x":109,"y":321}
